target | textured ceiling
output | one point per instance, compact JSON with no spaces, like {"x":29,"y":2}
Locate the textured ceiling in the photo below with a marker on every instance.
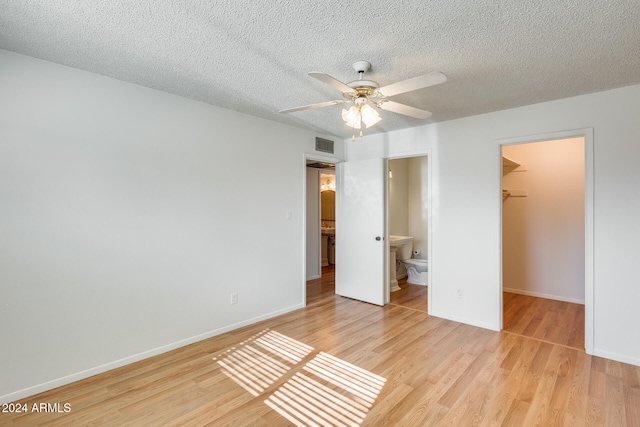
{"x":253,"y":56}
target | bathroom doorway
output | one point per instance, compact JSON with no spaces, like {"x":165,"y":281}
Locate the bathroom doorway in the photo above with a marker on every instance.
{"x":409,"y":210}
{"x":544,"y":236}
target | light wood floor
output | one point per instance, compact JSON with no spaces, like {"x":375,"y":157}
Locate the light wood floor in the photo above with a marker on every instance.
{"x":343,"y":362}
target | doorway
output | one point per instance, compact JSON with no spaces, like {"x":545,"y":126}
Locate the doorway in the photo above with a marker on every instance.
{"x":361,"y":189}
{"x":544,"y":239}
{"x":408,"y":209}
{"x":320,"y":227}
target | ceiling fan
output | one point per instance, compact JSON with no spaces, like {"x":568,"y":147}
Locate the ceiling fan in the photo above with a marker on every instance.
{"x":364,"y":95}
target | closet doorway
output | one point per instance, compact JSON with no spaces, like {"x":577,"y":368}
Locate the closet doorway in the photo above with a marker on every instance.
{"x":544,"y":240}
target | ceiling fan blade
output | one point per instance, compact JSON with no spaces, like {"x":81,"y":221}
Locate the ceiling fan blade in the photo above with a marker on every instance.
{"x":312,"y":106}
{"x":430,"y":79}
{"x":396,"y":107}
{"x":326,"y":78}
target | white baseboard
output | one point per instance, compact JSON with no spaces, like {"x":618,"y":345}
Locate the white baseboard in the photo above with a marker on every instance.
{"x":39,"y":388}
{"x":419,"y":284}
{"x":543,"y":295}
{"x":315,"y":276}
{"x":618,"y":357}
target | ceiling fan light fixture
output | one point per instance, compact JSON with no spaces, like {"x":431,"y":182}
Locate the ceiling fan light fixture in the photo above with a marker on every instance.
{"x":352,"y":117}
{"x":356,"y":115}
{"x":369,"y":115}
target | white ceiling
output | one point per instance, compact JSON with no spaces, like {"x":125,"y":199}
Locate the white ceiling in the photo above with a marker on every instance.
{"x":253,"y":56}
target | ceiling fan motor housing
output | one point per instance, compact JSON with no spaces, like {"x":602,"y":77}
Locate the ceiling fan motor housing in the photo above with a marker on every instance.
{"x":362,"y":90}
{"x":361,"y":66}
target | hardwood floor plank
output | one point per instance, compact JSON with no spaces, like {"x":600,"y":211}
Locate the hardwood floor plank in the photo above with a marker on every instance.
{"x":597,"y":384}
{"x":631,"y":376}
{"x":516,"y":414}
{"x":631,"y":405}
{"x":576,"y":413}
{"x":541,"y":402}
{"x":614,"y":403}
{"x":504,"y":392}
{"x":560,"y":392}
{"x":531,"y":379}
{"x":595,"y":412}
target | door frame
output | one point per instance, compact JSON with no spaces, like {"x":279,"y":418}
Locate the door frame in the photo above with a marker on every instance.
{"x":428,"y":154}
{"x":587,"y":135}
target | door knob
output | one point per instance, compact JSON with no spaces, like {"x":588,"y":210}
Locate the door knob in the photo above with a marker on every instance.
{"x":378,"y":238}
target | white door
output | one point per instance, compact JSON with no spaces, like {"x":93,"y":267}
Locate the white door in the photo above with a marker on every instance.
{"x":361,"y":247}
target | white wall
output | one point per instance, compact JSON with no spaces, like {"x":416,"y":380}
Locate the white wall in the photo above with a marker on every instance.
{"x":313,"y":270}
{"x":128,"y":217}
{"x":543,"y":233}
{"x":466,"y":207}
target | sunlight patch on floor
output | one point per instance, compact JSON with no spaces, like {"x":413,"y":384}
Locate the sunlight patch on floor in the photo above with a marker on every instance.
{"x":261,"y":360}
{"x":325,"y":391}
{"x":330,"y":392}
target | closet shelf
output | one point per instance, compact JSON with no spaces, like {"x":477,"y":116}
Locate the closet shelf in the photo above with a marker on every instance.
{"x":508,"y":163}
{"x":514,"y":193}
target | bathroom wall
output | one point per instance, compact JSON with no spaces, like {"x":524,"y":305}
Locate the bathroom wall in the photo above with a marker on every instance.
{"x":418,"y":204}
{"x":399,"y":197}
{"x":128,"y":219}
{"x":408,"y":209}
{"x":543,"y":233}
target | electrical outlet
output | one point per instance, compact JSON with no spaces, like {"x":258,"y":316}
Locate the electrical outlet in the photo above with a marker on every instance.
{"x":460,"y":294}
{"x":234,"y":298}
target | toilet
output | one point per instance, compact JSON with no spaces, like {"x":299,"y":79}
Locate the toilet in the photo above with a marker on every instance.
{"x":416,"y":270}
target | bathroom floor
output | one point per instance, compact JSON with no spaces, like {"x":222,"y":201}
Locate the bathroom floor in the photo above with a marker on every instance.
{"x":410,"y":296}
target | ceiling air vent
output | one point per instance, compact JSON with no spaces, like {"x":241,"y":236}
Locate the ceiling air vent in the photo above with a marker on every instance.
{"x":324,"y":145}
